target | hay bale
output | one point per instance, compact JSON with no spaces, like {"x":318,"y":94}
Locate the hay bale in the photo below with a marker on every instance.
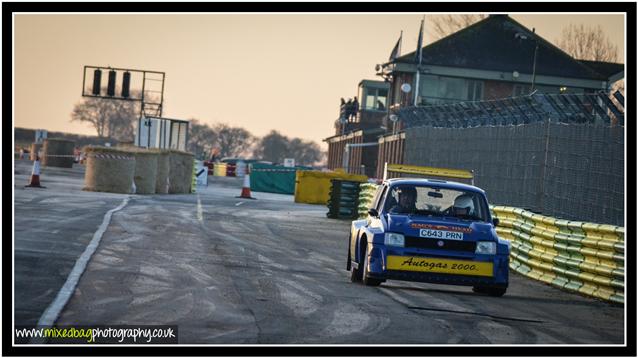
{"x":35,"y":150}
{"x":58,"y":153}
{"x":145,"y":176}
{"x":180,"y":173}
{"x":126,"y":145}
{"x":109,"y":169}
{"x":163,"y":165}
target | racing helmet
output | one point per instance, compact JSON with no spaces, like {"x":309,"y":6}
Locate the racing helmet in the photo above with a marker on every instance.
{"x":409,"y":191}
{"x":464,"y":202}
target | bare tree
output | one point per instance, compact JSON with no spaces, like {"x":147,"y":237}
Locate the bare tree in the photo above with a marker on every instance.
{"x":232,"y":141}
{"x":587,"y":43}
{"x":304,"y":152}
{"x":272,"y":147}
{"x":275,"y":147}
{"x":201,"y":138}
{"x":445,"y":25}
{"x":111,"y":118}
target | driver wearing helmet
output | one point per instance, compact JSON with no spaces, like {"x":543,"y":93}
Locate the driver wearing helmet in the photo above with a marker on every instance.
{"x":407,"y":200}
{"x":463,"y":205}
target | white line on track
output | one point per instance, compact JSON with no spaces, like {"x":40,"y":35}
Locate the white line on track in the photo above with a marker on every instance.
{"x":239,"y":203}
{"x":52,"y":312}
{"x":200,"y":215}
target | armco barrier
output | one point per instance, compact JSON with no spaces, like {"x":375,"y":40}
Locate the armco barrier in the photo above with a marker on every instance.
{"x":578,"y":256}
{"x":313,"y":187}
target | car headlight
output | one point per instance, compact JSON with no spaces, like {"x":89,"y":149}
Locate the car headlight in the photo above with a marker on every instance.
{"x":393,"y":239}
{"x":485,"y":247}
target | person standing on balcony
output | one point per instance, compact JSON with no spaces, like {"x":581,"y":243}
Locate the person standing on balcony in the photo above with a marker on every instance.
{"x":349,"y":108}
{"x":355,"y":108}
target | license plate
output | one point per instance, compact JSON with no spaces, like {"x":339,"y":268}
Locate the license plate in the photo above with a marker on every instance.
{"x":440,"y":234}
{"x":426,"y":264}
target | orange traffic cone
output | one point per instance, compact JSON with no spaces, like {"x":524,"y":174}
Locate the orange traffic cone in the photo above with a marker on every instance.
{"x":245,"y":190}
{"x":35,"y":175}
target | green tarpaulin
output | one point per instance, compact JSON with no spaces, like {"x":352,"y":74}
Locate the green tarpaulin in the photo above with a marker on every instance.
{"x":273,"y":178}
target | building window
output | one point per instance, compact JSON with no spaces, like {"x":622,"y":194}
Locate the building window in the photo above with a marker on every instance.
{"x":474,"y":90}
{"x":440,"y":89}
{"x":376,"y":99}
{"x":452,"y":88}
{"x":521,"y":90}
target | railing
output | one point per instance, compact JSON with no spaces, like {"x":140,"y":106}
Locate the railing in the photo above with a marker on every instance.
{"x":565,"y":108}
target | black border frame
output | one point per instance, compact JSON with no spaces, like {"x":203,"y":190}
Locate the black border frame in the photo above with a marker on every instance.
{"x":8,"y":8}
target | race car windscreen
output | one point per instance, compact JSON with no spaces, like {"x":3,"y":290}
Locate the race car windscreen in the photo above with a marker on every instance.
{"x":423,"y":200}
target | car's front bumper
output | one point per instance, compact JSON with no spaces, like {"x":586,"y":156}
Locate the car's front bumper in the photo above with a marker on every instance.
{"x":378,"y":267}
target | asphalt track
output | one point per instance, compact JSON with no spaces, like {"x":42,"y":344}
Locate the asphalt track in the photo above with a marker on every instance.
{"x":235,"y":271}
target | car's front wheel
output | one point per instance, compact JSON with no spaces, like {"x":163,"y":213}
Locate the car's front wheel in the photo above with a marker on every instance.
{"x":355,"y":274}
{"x":368,"y":281}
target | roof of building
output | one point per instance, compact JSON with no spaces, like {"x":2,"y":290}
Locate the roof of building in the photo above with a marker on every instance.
{"x":606,"y":69}
{"x":374,"y":84}
{"x":495,"y":43}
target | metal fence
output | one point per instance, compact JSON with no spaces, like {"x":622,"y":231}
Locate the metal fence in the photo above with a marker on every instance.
{"x":566,"y":108}
{"x":571,"y":169}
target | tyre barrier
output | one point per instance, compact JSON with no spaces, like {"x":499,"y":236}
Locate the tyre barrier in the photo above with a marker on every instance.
{"x":582,"y":257}
{"x":194,"y":179}
{"x":344,"y":199}
{"x":230,"y":170}
{"x":366,"y":194}
{"x":219,"y":170}
{"x":210,"y":166}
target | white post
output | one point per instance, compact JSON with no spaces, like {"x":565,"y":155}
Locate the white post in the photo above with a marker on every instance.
{"x":346,"y":157}
{"x":385,"y":171}
{"x":416,"y":87}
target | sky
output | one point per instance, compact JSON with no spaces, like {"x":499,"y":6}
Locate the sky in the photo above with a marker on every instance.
{"x":285,"y":72}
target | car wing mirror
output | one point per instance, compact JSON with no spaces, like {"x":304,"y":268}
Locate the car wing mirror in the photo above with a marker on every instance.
{"x":373,"y":212}
{"x":495,"y":221}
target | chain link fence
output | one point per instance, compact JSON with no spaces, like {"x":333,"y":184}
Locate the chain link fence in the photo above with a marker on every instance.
{"x":566,"y":169}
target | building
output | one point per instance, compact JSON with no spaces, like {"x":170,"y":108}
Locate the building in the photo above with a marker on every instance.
{"x":353,"y":146}
{"x":494,"y":58}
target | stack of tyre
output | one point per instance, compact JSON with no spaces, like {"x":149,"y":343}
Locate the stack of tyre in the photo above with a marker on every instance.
{"x":344,"y":199}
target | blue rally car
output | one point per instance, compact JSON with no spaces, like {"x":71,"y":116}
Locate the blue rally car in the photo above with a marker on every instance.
{"x":432,"y":231}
